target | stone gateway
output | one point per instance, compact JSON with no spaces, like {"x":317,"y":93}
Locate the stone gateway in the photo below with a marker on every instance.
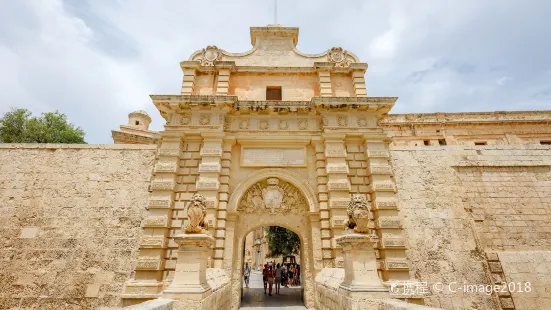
{"x":393,"y":211}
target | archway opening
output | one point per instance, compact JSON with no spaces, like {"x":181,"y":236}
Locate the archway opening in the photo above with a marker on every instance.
{"x":272,"y":268}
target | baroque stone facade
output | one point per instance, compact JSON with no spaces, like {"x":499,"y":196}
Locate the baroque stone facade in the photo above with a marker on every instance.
{"x":445,"y":198}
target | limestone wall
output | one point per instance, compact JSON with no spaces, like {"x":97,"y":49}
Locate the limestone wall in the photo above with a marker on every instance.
{"x":461,"y":202}
{"x":70,"y":220}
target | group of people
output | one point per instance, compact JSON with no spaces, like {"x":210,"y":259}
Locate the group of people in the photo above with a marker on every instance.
{"x":287,"y":275}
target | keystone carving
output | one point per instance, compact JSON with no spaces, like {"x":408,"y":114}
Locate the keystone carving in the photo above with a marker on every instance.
{"x":196,"y":213}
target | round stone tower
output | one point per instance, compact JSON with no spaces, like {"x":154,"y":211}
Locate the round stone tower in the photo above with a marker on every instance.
{"x":139,"y":120}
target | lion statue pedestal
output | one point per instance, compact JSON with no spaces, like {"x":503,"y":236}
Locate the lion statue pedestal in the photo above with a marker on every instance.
{"x":190,"y":280}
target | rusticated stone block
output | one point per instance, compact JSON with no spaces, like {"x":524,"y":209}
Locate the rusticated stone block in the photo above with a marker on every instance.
{"x":155,"y":221}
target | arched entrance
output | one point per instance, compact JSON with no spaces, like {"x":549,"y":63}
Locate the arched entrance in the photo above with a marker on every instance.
{"x":272,"y":197}
{"x":254,"y":296}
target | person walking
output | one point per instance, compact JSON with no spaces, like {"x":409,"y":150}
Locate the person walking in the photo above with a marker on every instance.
{"x":291,"y":273}
{"x":283,"y":275}
{"x":278,"y":279}
{"x":270,"y":280}
{"x":247,"y":274}
{"x":265,"y":277}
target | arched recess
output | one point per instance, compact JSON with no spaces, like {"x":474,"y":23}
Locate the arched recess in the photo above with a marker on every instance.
{"x":301,"y":217}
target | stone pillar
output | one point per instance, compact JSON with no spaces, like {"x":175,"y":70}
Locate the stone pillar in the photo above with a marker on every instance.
{"x":360,"y":267}
{"x":190,"y":280}
{"x":338,"y":189}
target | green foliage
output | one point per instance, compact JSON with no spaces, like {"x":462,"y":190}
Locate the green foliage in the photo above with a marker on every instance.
{"x":19,"y":126}
{"x":282,"y":241}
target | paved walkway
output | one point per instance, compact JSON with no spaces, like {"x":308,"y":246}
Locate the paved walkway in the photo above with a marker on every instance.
{"x":254,"y":298}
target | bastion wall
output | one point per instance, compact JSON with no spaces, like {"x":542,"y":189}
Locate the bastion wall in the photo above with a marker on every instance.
{"x":70,"y":222}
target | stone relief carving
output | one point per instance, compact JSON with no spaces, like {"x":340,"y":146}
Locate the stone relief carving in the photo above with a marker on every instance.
{"x":302,"y":124}
{"x":359,"y":215}
{"x":186,"y":118}
{"x":283,"y":124}
{"x":209,"y":55}
{"x":196,"y":213}
{"x":338,"y":56}
{"x":342,"y":121}
{"x":362,"y":122}
{"x":244,"y":124}
{"x":205,"y":119}
{"x":263,"y":124}
{"x":272,"y":196}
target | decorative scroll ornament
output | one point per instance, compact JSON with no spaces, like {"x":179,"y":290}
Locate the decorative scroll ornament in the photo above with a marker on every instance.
{"x":338,"y":56}
{"x":196,"y":213}
{"x":273,"y":197}
{"x":209,"y":55}
{"x":359,"y":215}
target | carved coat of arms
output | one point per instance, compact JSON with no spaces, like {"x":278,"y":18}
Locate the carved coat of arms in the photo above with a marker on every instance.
{"x":196,"y":212}
{"x":272,"y":195}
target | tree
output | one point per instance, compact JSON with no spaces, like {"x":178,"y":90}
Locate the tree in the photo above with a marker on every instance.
{"x":19,"y":126}
{"x":282,"y":242}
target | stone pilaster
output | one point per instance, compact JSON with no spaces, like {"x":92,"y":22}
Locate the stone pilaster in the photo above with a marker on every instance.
{"x":358,"y":81}
{"x":323,"y":197}
{"x":223,"y":82}
{"x":393,"y":262}
{"x":188,"y":82}
{"x":208,"y":185}
{"x":223,"y":197}
{"x":148,"y":280}
{"x":324,"y":76}
{"x":338,"y":189}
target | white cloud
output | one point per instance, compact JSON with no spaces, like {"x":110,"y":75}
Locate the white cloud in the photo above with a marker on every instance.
{"x":98,"y":60}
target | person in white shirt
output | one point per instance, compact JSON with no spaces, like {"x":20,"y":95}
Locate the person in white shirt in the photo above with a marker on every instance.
{"x":247,"y":274}
{"x":278,"y":278}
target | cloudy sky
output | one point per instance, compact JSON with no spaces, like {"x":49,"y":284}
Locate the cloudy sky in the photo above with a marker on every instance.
{"x":97,"y":60}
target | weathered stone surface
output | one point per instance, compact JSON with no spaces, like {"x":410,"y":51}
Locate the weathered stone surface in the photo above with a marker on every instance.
{"x":70,"y":223}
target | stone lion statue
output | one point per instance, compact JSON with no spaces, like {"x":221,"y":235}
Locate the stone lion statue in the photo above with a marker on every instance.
{"x":196,"y":213}
{"x":359,"y":214}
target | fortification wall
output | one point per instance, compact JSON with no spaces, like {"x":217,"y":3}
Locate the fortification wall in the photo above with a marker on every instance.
{"x":70,"y":220}
{"x":462,"y":205}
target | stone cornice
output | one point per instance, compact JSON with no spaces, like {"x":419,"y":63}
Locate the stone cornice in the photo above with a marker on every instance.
{"x":496,"y":117}
{"x":329,"y":66}
{"x":119,"y":136}
{"x":175,"y":103}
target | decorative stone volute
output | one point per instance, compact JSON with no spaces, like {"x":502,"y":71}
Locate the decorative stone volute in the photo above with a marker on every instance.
{"x":196,"y":213}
